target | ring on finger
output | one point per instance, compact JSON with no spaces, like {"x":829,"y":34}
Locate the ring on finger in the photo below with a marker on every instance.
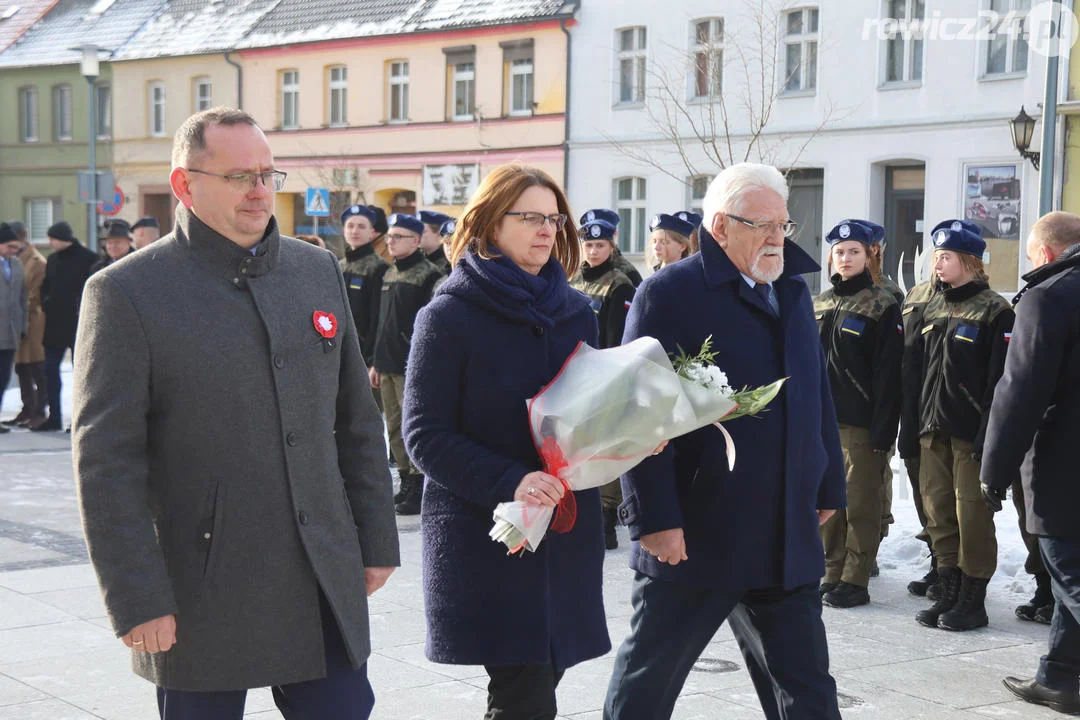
{"x":532,"y":491}
{"x":137,"y":642}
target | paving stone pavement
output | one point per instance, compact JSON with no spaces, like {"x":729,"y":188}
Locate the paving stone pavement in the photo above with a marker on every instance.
{"x":59,"y":660}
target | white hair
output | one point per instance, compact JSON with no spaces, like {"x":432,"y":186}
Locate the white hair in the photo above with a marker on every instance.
{"x":726,"y":191}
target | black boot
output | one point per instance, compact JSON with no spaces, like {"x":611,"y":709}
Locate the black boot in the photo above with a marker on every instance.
{"x":1042,"y":597}
{"x":410,"y":504}
{"x":1045,"y":614}
{"x":404,"y":481}
{"x":949,"y":587}
{"x":970,"y":609}
{"x":827,"y":587}
{"x":920,"y":586}
{"x":611,"y":520}
{"x":846,"y":595}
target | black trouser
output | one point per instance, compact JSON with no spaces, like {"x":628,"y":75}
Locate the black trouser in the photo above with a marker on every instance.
{"x":53,"y":358}
{"x":1033,"y":565}
{"x":32,"y":386}
{"x":522,"y":692}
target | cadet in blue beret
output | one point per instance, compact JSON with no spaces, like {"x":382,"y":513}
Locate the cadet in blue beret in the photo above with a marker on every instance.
{"x":860,"y":328}
{"x":431,"y":239}
{"x":406,"y":288}
{"x":363,"y":270}
{"x":447,"y":228}
{"x":956,"y":360}
{"x":670,"y":240}
{"x":612,"y":218}
{"x":610,"y":293}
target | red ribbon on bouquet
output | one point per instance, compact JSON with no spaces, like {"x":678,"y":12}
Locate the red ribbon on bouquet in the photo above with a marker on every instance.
{"x":554,"y":462}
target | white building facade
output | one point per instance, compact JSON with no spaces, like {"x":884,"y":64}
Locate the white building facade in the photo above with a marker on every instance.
{"x":906,"y":128}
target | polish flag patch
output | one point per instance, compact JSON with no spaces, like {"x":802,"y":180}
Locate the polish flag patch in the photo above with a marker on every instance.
{"x":1008,"y":337}
{"x":626,"y":303}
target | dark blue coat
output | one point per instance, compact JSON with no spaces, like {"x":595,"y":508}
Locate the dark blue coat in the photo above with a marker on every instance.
{"x":1035,"y":417}
{"x":756,"y":526}
{"x":480,"y":349}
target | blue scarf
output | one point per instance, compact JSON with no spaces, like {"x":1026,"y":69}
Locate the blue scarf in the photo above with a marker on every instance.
{"x":536,"y":299}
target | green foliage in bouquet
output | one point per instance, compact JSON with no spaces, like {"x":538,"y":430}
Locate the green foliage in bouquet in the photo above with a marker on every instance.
{"x":701,"y":368}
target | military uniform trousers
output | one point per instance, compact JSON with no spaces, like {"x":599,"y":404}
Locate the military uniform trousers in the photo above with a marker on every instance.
{"x":392,"y":389}
{"x":961,"y":527}
{"x":887,"y":518}
{"x":1033,"y":564}
{"x":852,"y":535}
{"x":611,"y":495}
{"x":344,"y":694}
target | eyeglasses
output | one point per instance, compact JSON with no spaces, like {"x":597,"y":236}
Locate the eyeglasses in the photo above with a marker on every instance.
{"x":274,"y":179}
{"x":536,"y":220}
{"x":768,"y":227}
{"x":400,"y":236}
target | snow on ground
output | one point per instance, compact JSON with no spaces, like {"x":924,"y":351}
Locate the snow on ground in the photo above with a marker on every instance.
{"x":899,"y":552}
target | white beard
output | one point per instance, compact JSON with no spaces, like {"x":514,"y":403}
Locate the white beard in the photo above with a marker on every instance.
{"x":767,"y":276}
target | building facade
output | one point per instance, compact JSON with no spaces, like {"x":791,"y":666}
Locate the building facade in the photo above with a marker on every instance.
{"x":881,"y":109}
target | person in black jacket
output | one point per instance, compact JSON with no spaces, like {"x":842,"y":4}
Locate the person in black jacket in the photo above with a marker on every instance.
{"x":117,"y":244}
{"x":959,"y":356}
{"x":610,"y":293}
{"x":860,"y":330}
{"x":1033,"y":426}
{"x":431,"y":242}
{"x":363,"y":271}
{"x":66,"y":272}
{"x":406,"y":288}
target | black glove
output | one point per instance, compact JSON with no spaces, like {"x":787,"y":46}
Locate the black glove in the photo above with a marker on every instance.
{"x":992,"y":497}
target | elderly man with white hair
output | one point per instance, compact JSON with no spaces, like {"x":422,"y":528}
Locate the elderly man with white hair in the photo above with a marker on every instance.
{"x":713,"y":544}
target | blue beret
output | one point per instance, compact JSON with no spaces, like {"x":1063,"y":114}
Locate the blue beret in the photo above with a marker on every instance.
{"x":609,"y":216}
{"x":690,"y":216}
{"x":877,"y":232}
{"x":7,"y":235}
{"x":448,"y":227}
{"x":597,"y":230}
{"x":956,"y":225}
{"x":431,"y":217}
{"x":850,"y":230}
{"x":406,"y":222}
{"x":959,"y":238}
{"x":663,"y":221}
{"x":361,"y":210}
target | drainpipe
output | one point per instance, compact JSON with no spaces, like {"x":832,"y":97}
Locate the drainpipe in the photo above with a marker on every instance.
{"x":239,"y":80}
{"x":566,"y":130}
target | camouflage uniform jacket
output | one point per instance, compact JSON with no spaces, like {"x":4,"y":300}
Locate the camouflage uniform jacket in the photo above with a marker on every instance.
{"x":363,"y":271}
{"x":610,"y":293}
{"x":910,"y":370}
{"x":886,"y":283}
{"x":406,"y":288}
{"x":859,"y":325}
{"x":960,"y":355}
{"x":626,"y":267}
{"x":438,"y":259}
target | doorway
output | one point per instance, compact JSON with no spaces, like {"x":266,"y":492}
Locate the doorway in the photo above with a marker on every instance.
{"x":905,"y":197}
{"x":805,"y":201}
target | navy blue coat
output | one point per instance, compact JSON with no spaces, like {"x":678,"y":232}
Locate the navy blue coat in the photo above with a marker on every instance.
{"x":757,"y":526}
{"x":479,"y":351}
{"x":1035,"y":417}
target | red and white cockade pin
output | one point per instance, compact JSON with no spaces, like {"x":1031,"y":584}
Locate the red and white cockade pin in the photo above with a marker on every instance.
{"x":325,"y":324}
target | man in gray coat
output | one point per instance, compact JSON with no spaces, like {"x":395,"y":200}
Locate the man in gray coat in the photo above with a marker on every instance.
{"x":14,"y":317}
{"x":229,"y":456}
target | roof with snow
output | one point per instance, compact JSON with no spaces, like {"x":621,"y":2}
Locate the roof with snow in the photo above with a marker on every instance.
{"x":106,"y":23}
{"x":301,"y":21}
{"x":18,"y":15}
{"x":194,"y":27}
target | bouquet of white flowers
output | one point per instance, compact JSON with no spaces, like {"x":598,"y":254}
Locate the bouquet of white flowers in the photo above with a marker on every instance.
{"x":606,"y":411}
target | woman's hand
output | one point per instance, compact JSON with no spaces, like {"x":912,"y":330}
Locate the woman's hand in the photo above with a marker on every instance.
{"x":660,"y":448}
{"x":539,"y":488}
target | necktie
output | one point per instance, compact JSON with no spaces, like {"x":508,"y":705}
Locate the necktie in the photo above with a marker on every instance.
{"x":767,"y":294}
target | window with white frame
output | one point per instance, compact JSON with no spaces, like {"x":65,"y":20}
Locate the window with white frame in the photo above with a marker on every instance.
{"x":630,"y":204}
{"x":697,"y":185}
{"x":28,"y":114}
{"x":203,"y":93}
{"x":800,"y":50}
{"x":103,"y":110}
{"x":339,"y":88}
{"x":61,"y":108}
{"x":521,"y":86}
{"x":464,"y":90}
{"x":630,"y":61}
{"x":39,"y":218}
{"x":904,"y":45}
{"x":399,"y":91}
{"x":290,"y":99}
{"x":1007,"y":46}
{"x":708,"y":72}
{"x":157,"y":109}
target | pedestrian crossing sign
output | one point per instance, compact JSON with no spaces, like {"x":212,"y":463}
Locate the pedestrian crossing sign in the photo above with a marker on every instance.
{"x":318,"y":202}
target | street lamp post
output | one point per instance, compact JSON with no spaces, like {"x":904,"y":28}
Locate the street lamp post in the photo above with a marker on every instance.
{"x":89,"y":68}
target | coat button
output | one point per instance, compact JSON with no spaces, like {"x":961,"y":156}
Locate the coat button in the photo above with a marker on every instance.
{"x":291,"y":439}
{"x":279,"y":362}
{"x":538,"y":331}
{"x":624,"y":513}
{"x":302,"y":517}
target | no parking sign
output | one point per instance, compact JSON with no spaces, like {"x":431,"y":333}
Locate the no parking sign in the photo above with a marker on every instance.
{"x":112,"y":205}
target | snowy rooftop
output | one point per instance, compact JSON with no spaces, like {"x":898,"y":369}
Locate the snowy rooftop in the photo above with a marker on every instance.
{"x":17,"y":15}
{"x":134,"y":29}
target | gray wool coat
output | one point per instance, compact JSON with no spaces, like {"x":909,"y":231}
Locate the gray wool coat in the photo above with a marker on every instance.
{"x":229,"y":459}
{"x":14,"y":317}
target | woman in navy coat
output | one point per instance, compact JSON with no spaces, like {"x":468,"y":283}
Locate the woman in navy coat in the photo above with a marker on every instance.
{"x":499,"y":330}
